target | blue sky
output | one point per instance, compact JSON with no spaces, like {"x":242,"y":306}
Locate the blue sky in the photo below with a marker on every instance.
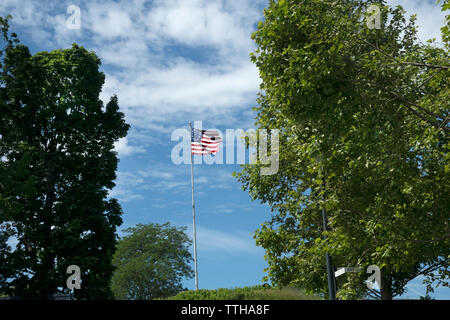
{"x":171,"y":62}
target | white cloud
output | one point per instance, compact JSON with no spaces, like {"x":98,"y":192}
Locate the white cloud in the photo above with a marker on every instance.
{"x":430,"y":17}
{"x":220,"y":179}
{"x":131,"y":185}
{"x":169,"y":60}
{"x":123,"y":53}
{"x":169,"y":178}
{"x":124,"y":149}
{"x":159,"y":94}
{"x":127,"y":185}
{"x":173,"y":58}
{"x":164,"y":175}
{"x":161,"y":78}
{"x":207,"y":22}
{"x":109,"y":20}
{"x":235,"y":242}
{"x":225,"y":208}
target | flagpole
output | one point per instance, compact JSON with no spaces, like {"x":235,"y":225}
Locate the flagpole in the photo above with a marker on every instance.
{"x":193,"y":211}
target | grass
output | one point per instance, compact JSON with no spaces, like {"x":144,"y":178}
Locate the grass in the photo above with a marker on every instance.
{"x":246,"y":293}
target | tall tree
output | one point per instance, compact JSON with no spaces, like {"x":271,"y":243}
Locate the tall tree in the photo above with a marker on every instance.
{"x":363,"y":115}
{"x":151,"y":261}
{"x":57,"y":164}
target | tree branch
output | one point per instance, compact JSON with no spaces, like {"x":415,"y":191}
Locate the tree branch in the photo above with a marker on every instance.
{"x":416,"y":64}
{"x":427,"y":270}
{"x":408,"y":105}
{"x":374,"y":293}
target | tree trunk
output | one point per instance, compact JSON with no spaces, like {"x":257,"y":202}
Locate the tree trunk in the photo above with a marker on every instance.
{"x":386,"y":287}
{"x":47,"y":285}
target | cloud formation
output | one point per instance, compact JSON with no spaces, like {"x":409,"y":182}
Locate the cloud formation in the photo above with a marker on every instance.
{"x":171,"y":60}
{"x":235,"y":243}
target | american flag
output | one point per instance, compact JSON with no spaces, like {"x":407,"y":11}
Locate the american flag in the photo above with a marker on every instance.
{"x":205,"y":141}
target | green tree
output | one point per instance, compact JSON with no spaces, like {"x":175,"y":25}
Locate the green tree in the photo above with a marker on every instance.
{"x":363,"y":119}
{"x":57,"y":164}
{"x":151,"y":261}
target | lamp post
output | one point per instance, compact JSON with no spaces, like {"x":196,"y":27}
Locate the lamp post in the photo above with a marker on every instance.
{"x":330,"y":269}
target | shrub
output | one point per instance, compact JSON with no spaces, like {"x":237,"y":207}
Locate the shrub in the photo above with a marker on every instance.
{"x":258,"y":292}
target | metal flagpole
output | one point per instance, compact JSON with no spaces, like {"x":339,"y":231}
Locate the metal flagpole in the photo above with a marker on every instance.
{"x":193,"y":211}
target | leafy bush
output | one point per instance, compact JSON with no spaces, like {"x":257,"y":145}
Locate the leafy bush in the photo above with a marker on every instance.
{"x":247,"y":293}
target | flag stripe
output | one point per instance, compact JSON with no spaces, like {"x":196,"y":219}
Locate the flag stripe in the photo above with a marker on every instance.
{"x":205,"y":148}
{"x":205,"y":142}
{"x":206,"y":138}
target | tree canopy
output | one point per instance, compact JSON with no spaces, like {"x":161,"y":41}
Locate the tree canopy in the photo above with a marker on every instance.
{"x":151,"y":262}
{"x":363,"y":117}
{"x":57,"y":164}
